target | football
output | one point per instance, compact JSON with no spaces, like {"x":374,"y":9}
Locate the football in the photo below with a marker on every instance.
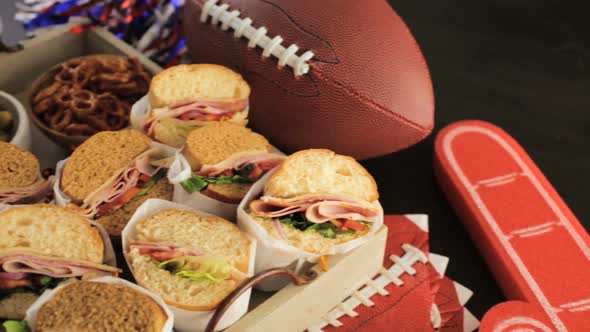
{"x":343,"y":75}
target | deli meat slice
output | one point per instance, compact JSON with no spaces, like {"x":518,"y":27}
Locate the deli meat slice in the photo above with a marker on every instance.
{"x":16,"y":263}
{"x":127,"y":180}
{"x":163,"y":251}
{"x":32,"y":194}
{"x":318,"y":208}
{"x":199,"y":110}
{"x":264,"y":161}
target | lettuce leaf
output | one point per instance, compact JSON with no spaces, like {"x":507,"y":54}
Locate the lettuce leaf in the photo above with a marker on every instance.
{"x":157,"y":177}
{"x":211,"y":268}
{"x":199,"y":183}
{"x":326,"y":229}
{"x":16,"y":326}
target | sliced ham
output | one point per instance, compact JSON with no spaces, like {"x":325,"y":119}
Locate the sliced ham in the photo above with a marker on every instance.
{"x":163,"y":251}
{"x":257,"y":160}
{"x":127,"y":180}
{"x":56,"y":268}
{"x":31,"y":194}
{"x":318,"y":208}
{"x":198,"y":110}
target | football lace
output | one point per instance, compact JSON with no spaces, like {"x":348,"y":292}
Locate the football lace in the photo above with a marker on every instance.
{"x":257,"y":37}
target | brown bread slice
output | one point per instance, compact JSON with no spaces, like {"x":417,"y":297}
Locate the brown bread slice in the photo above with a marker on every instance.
{"x":18,"y":167}
{"x":97,"y":307}
{"x":116,"y":221}
{"x":217,"y":141}
{"x":98,"y":159}
{"x":227,"y":192}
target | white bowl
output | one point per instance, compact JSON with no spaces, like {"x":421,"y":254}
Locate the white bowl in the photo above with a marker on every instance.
{"x":21,"y":132}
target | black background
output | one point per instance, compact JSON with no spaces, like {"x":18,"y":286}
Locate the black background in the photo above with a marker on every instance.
{"x":521,"y":64}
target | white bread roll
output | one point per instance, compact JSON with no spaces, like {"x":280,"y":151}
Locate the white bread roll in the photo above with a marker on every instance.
{"x":319,"y":171}
{"x":209,"y":234}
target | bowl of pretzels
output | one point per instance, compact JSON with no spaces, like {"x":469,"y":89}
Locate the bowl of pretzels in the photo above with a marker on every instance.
{"x":82,"y":96}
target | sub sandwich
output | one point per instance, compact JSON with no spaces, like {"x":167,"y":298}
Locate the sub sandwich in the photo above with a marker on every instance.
{"x":20,"y":177}
{"x":186,"y":97}
{"x":111,"y":174}
{"x":226,"y":159}
{"x":316,"y":200}
{"x":100,"y":307}
{"x":193,"y":261}
{"x":42,"y":245}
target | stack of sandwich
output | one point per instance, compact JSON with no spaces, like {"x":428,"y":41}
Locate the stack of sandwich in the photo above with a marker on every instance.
{"x":20,"y":177}
{"x":185,"y":97}
{"x":42,"y":246}
{"x":111,"y":174}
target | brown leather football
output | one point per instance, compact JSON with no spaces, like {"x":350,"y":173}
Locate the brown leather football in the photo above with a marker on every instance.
{"x":340,"y":74}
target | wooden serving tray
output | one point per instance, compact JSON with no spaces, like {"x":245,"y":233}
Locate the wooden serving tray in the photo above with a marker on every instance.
{"x":293,"y":308}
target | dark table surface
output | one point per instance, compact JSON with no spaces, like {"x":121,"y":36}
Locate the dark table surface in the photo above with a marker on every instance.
{"x":521,"y":64}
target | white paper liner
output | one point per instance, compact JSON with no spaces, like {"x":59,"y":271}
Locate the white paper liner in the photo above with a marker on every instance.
{"x":186,"y":320}
{"x":62,"y":199}
{"x":272,"y":252}
{"x":140,"y":111}
{"x":48,"y":294}
{"x":109,"y":257}
{"x":181,"y":170}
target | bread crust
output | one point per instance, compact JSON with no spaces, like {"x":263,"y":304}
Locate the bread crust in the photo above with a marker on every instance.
{"x":18,"y":167}
{"x":98,"y":159}
{"x":44,"y":227}
{"x":88,"y":306}
{"x":274,"y":188}
{"x":231,"y":193}
{"x":15,"y":305}
{"x":217,"y":141}
{"x":170,"y":78}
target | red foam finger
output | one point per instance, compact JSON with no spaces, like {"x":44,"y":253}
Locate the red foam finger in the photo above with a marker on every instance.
{"x":537,"y":249}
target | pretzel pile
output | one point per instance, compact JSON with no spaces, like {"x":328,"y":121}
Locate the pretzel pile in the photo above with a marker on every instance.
{"x":91,"y":95}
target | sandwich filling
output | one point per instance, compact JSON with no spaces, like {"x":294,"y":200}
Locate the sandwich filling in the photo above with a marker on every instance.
{"x":198,"y":110}
{"x":35,"y":193}
{"x":189,"y":263}
{"x":132,"y":183}
{"x":244,"y":167}
{"x":331,"y":216}
{"x":25,"y":272}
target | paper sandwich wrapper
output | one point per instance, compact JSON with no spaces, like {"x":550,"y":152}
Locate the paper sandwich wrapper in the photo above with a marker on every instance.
{"x":272,"y":252}
{"x":187,"y":320}
{"x":181,"y":170}
{"x":140,"y":112}
{"x":109,"y":257}
{"x":48,"y":294}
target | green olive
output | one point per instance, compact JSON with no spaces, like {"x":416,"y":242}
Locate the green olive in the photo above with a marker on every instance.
{"x":5,"y":119}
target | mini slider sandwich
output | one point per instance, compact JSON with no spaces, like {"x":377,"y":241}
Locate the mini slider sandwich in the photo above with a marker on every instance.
{"x":317,"y":200}
{"x":41,"y":246}
{"x":89,"y":306}
{"x":186,"y":97}
{"x":193,"y":261}
{"x":111,"y":174}
{"x":226,"y":159}
{"x":20,"y":177}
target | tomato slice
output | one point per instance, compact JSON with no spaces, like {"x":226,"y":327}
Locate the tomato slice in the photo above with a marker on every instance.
{"x":106,"y":208}
{"x":144,"y":178}
{"x":354,"y":225}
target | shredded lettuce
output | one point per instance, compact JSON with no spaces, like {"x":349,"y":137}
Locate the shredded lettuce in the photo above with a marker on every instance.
{"x":200,"y":268}
{"x":16,"y":326}
{"x":199,"y":183}
{"x":326,"y":229}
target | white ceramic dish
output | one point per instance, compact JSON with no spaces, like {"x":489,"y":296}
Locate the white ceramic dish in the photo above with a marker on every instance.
{"x":21,"y":130}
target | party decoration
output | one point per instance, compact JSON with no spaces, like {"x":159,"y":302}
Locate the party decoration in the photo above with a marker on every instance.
{"x":153,"y":27}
